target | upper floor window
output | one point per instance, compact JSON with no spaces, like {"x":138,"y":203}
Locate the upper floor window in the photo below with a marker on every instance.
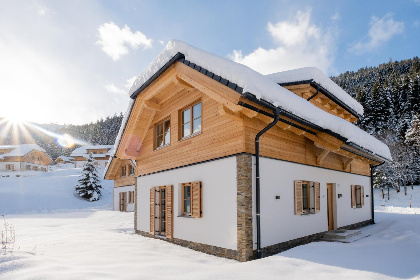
{"x":191,"y":120}
{"x":123,"y":171}
{"x":131,"y":170}
{"x":163,"y":133}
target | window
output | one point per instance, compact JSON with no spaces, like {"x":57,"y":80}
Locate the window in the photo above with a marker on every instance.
{"x":28,"y":167}
{"x":161,"y":217}
{"x":307,"y":197}
{"x":191,"y":199}
{"x":131,"y":197}
{"x":10,"y":167}
{"x":123,"y":171}
{"x":191,"y":120}
{"x":132,"y":170}
{"x":357,"y":196}
{"x":95,"y":163}
{"x":163,"y":134}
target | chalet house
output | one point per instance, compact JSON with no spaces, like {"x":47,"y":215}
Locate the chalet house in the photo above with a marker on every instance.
{"x":25,"y":157}
{"x":63,"y":160}
{"x":122,"y":172}
{"x":238,"y":164}
{"x":100,"y":154}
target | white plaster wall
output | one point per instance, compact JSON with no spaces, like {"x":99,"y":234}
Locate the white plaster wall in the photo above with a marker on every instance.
{"x":217,"y":227}
{"x":130,"y":206}
{"x":278,"y":221}
{"x":3,"y":165}
{"x":79,"y":164}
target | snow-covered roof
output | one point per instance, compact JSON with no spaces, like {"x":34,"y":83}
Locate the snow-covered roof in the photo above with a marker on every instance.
{"x":262,"y":87}
{"x":20,"y":150}
{"x":65,"y":158}
{"x":317,"y":76}
{"x":82,"y":151}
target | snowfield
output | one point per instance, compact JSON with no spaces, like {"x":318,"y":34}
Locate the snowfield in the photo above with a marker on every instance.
{"x":59,"y":236}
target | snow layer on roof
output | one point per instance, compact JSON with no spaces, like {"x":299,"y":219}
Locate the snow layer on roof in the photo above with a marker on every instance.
{"x":82,"y":151}
{"x":262,"y":87}
{"x":64,"y":158}
{"x":20,"y":150}
{"x":313,"y":73}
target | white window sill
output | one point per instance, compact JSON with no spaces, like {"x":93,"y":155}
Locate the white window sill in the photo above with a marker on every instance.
{"x":161,"y":147}
{"x":189,"y":136}
{"x":185,"y":216}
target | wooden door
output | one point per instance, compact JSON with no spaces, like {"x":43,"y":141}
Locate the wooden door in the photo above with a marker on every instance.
{"x":330,"y":212}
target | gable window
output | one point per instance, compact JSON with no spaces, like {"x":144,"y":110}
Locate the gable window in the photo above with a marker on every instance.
{"x":191,"y":120}
{"x":123,"y":171}
{"x":191,"y":199}
{"x":163,"y":134}
{"x":132,"y":170}
{"x":357,"y":196}
{"x":307,"y":197}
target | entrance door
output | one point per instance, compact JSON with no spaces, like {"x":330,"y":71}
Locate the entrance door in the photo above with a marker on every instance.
{"x":162,"y":211}
{"x":330,"y":209}
{"x":123,"y":201}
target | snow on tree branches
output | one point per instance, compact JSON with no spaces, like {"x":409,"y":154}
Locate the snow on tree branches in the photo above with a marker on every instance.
{"x":89,"y":186}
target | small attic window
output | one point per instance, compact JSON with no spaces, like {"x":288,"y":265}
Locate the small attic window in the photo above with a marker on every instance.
{"x":191,"y":120}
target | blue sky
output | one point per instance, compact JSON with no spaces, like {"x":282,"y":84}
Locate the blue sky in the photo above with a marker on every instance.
{"x":74,"y":61}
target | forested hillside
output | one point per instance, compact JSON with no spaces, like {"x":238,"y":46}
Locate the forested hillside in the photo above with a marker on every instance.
{"x":390,"y":96}
{"x":101,"y":132}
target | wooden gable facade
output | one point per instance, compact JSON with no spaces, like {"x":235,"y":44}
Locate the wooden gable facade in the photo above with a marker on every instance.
{"x":229,"y":125}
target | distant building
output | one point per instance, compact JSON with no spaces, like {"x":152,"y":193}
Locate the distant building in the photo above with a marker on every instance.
{"x":63,"y":160}
{"x":122,"y":172}
{"x":100,"y":153}
{"x":25,"y":157}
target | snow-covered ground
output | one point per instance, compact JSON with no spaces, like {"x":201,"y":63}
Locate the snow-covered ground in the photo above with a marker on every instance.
{"x":87,"y":241}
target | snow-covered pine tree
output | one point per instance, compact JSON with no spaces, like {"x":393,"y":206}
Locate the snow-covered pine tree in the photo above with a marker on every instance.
{"x":89,"y":187}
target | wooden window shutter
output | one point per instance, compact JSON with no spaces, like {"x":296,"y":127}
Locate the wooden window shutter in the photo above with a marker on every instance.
{"x":362,"y":196}
{"x":120,"y":201}
{"x":169,"y":197}
{"x":196,"y":200}
{"x":152,"y":210}
{"x":125,"y":201}
{"x":353,"y":196}
{"x":317,"y":197}
{"x":298,"y":198}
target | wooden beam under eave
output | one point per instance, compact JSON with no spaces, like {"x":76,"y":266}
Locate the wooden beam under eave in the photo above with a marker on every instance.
{"x":224,"y":111}
{"x":322,"y":156}
{"x":152,"y":105}
{"x":249,"y":113}
{"x":347,"y":162}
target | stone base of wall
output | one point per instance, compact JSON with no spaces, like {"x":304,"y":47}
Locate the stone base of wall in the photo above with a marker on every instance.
{"x":358,"y":225}
{"x":204,"y":248}
{"x":284,"y":246}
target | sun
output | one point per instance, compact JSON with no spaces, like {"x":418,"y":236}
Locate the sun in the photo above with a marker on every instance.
{"x":15,"y":117}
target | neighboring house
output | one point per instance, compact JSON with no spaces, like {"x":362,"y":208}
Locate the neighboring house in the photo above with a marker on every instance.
{"x":100,"y":154}
{"x":63,"y":160}
{"x":122,"y":172}
{"x":25,"y":157}
{"x":204,"y":178}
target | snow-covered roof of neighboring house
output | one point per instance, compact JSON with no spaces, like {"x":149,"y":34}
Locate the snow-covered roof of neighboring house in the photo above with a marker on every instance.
{"x":20,"y":150}
{"x":314,"y":74}
{"x":65,"y":158}
{"x":82,"y":151}
{"x":246,"y":81}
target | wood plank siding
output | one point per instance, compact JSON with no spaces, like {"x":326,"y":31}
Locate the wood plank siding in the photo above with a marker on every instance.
{"x":227,"y":128}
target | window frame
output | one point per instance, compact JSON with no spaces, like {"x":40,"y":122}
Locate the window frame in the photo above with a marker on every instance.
{"x":191,"y":121}
{"x":162,"y":122}
{"x":313,"y":203}
{"x":357,"y":196}
{"x":130,"y":197}
{"x":123,"y":171}
{"x":183,"y":200}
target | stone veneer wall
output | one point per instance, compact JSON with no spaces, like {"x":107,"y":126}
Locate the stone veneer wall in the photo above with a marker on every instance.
{"x":280,"y":247}
{"x":244,"y":207}
{"x":204,"y":248}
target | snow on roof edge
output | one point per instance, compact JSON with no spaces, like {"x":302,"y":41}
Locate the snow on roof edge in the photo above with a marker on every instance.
{"x":262,"y":87}
{"x":315,"y":74}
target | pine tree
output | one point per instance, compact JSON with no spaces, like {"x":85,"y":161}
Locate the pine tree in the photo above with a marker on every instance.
{"x":89,"y":186}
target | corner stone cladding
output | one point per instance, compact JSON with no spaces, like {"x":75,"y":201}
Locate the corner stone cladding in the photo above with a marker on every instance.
{"x":204,"y":248}
{"x":244,"y":207}
{"x":284,"y":246}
